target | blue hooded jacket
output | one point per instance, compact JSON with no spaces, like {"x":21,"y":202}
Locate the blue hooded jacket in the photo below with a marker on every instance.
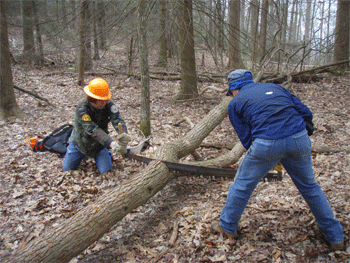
{"x":267,"y":111}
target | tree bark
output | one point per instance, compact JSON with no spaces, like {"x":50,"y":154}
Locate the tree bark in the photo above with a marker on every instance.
{"x":8,"y":104}
{"x":28,"y":36}
{"x":69,"y":239}
{"x":163,"y":50}
{"x":188,"y":89}
{"x":263,"y":29}
{"x":235,"y":59}
{"x":82,"y":35}
{"x":145,"y":118}
{"x":341,"y":43}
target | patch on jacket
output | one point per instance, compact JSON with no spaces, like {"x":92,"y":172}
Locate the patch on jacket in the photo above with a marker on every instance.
{"x":86,"y":117}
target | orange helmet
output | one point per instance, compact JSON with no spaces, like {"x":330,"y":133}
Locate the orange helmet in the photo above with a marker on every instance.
{"x":98,"y":89}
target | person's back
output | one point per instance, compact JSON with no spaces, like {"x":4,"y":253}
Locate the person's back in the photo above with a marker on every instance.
{"x":266,"y":111}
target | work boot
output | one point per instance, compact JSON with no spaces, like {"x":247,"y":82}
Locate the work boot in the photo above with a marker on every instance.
{"x":339,"y":246}
{"x":216,"y":228}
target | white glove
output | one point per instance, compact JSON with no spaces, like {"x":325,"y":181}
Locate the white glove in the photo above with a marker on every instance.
{"x":123,"y":140}
{"x":114,"y":147}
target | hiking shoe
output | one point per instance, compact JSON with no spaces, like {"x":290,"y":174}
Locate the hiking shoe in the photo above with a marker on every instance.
{"x":216,"y":228}
{"x":339,"y":246}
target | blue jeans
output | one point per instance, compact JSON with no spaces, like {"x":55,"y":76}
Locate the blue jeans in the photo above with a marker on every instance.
{"x":295,"y":154}
{"x":74,"y":157}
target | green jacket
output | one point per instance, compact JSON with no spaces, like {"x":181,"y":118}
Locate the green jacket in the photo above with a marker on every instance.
{"x":90,"y":133}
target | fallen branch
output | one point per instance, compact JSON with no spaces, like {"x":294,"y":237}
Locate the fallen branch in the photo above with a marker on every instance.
{"x":174,"y":233}
{"x":188,"y":120}
{"x":32,"y":94}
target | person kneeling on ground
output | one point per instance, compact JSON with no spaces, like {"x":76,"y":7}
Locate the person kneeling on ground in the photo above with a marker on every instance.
{"x":90,"y":134}
{"x":273,"y":125}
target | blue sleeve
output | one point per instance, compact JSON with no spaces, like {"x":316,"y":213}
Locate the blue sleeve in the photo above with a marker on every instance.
{"x":242,"y":128}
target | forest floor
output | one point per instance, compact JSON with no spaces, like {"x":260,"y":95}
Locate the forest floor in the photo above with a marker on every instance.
{"x":277,"y":225}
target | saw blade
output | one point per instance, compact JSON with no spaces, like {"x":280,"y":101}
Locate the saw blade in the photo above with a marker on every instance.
{"x":199,"y":170}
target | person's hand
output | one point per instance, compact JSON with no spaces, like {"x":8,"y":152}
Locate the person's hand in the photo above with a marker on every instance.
{"x":114,"y":146}
{"x":123,"y":140}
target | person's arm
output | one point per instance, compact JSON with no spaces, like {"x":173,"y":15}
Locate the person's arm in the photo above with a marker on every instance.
{"x":242,"y":128}
{"x":91,"y":128}
{"x":116,"y":118}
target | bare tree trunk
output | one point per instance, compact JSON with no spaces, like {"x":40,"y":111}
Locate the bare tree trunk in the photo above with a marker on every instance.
{"x":38,"y":34}
{"x":254,"y":18}
{"x":235,"y":59}
{"x":163,"y":50}
{"x":101,"y":24}
{"x":88,"y":225}
{"x":95,"y":35}
{"x":145,"y":118}
{"x":341,"y":44}
{"x":28,"y":36}
{"x":263,"y":28}
{"x":81,"y":56}
{"x":88,"y":50}
{"x":8,"y":104}
{"x":188,"y":88}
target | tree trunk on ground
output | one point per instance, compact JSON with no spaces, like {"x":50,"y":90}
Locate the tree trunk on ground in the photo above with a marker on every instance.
{"x":88,"y":225}
{"x":8,"y":104}
{"x":225,"y":160}
{"x":145,"y":118}
{"x":188,"y":88}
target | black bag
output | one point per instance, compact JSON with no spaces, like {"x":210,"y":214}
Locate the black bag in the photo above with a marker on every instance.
{"x":309,"y":127}
{"x":56,"y":142}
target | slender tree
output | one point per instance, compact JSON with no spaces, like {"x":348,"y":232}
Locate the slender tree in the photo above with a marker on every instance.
{"x":163,"y":50}
{"x":28,"y":35}
{"x":95,"y":35}
{"x":263,"y":28}
{"x":188,"y":88}
{"x":88,"y":49}
{"x":254,"y":18}
{"x":38,"y":39}
{"x":341,"y":44}
{"x":235,"y":59}
{"x":82,"y":36}
{"x":8,"y":103}
{"x":145,"y":120}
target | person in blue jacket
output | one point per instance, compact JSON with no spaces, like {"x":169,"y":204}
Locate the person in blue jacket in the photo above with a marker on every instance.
{"x":273,"y":125}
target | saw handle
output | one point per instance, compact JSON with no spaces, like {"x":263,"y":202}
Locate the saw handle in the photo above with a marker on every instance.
{"x":120,"y":128}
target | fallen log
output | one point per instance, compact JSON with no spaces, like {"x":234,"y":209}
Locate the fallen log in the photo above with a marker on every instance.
{"x":32,"y":94}
{"x":74,"y":235}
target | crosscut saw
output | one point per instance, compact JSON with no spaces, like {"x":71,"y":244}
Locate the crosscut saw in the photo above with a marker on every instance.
{"x":190,"y":169}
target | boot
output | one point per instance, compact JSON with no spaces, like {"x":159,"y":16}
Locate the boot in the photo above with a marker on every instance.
{"x":216,"y":228}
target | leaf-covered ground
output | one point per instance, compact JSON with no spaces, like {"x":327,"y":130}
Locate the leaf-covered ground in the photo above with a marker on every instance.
{"x":277,"y":225}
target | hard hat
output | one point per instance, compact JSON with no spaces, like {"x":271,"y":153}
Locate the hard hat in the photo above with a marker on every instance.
{"x":98,"y":89}
{"x":238,"y":78}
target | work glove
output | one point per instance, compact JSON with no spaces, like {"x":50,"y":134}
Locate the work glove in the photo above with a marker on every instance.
{"x":114,"y":146}
{"x":121,"y":144}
